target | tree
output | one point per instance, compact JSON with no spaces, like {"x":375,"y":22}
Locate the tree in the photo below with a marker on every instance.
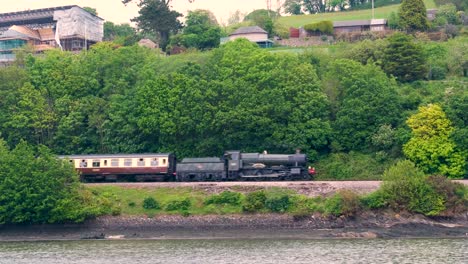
{"x":404,"y":59}
{"x":293,"y":7}
{"x":235,"y":17}
{"x":413,"y":15}
{"x":36,"y":187}
{"x":156,"y":17}
{"x":122,"y":34}
{"x":430,"y":146}
{"x":201,"y":31}
{"x":365,"y":99}
{"x":263,"y":18}
{"x":314,"y":6}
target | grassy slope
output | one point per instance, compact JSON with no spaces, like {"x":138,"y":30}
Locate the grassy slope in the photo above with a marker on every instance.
{"x":381,"y":12}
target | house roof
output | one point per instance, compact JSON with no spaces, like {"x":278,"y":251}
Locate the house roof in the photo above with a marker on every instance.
{"x":34,"y":14}
{"x":353,"y":23}
{"x":46,"y":34}
{"x":30,"y":33}
{"x":248,"y":30}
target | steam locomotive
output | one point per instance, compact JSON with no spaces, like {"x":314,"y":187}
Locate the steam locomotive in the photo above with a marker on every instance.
{"x":232,"y":166}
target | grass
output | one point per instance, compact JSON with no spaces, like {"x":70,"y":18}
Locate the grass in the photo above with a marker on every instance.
{"x":129,"y":201}
{"x":381,"y":12}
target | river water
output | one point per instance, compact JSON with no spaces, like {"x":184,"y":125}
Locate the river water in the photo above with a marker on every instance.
{"x":238,"y":251}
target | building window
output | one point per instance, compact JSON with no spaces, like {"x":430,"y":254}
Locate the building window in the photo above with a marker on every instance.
{"x":114,"y":162}
{"x":77,"y":44}
{"x":96,"y":163}
{"x":127,"y":162}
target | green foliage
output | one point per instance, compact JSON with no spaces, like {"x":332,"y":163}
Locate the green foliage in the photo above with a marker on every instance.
{"x":455,"y":195}
{"x":447,"y":14}
{"x":226,"y":197}
{"x":278,"y":203}
{"x":430,"y":146}
{"x":293,"y":7}
{"x":254,"y":201}
{"x":350,"y":166}
{"x":344,"y":202}
{"x":36,"y":187}
{"x":178,"y":205}
{"x":404,"y":59}
{"x":364,"y":99}
{"x":122,"y":34}
{"x":201,"y":31}
{"x":374,"y":200}
{"x":151,"y":203}
{"x":156,"y":17}
{"x":263,"y":18}
{"x":413,"y":16}
{"x":405,"y":188}
{"x":324,"y":27}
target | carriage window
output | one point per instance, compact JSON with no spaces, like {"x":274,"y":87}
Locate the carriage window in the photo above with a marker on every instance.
{"x":96,"y":163}
{"x":164,"y":161}
{"x":141,"y":162}
{"x":105,"y":162}
{"x":154,"y":162}
{"x":114,"y":162}
{"x":127,"y":162}
{"x":83,"y":164}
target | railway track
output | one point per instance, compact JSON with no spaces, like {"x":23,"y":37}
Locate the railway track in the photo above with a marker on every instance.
{"x":310,"y":188}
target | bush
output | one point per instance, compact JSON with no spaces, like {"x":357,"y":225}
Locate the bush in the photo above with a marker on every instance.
{"x":254,"y":201}
{"x":455,"y":195}
{"x":405,"y":188}
{"x":278,"y":203}
{"x":225,"y":197}
{"x":150,"y":203}
{"x":324,"y":27}
{"x":344,"y":202}
{"x":374,"y":200}
{"x":178,"y":205}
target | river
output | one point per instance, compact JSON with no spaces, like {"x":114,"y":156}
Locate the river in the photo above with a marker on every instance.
{"x":237,"y":251}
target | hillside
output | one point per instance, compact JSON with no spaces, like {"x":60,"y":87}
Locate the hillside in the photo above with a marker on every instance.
{"x":381,"y":12}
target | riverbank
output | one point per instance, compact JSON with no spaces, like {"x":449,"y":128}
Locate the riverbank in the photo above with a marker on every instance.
{"x":258,"y":226}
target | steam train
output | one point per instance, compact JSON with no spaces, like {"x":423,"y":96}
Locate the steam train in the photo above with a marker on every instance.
{"x":232,"y":166}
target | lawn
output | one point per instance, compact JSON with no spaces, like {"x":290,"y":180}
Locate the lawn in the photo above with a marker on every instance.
{"x":381,"y":12}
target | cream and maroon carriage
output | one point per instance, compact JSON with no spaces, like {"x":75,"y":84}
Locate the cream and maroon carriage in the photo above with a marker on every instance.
{"x":124,"y":167}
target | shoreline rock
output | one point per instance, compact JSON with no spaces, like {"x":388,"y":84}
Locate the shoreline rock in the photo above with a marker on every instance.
{"x":255,"y":226}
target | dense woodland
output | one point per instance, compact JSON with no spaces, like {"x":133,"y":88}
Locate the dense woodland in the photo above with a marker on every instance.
{"x":355,"y":109}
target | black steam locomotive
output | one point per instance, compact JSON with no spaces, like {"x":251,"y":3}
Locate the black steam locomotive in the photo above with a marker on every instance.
{"x":236,"y":165}
{"x":233,"y":165}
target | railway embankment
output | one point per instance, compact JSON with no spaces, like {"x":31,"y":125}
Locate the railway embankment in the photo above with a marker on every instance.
{"x":383,"y":224}
{"x":289,"y":210}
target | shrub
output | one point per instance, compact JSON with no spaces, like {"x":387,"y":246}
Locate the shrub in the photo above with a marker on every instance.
{"x":131,"y":204}
{"x":254,"y":201}
{"x":455,"y":195}
{"x":150,"y":203}
{"x":225,"y":197}
{"x":344,"y":202}
{"x":405,"y":187}
{"x":374,"y":200}
{"x":324,"y":27}
{"x":278,"y":203}
{"x":178,"y":205}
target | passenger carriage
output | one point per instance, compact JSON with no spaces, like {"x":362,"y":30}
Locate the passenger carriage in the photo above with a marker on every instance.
{"x":124,"y":167}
